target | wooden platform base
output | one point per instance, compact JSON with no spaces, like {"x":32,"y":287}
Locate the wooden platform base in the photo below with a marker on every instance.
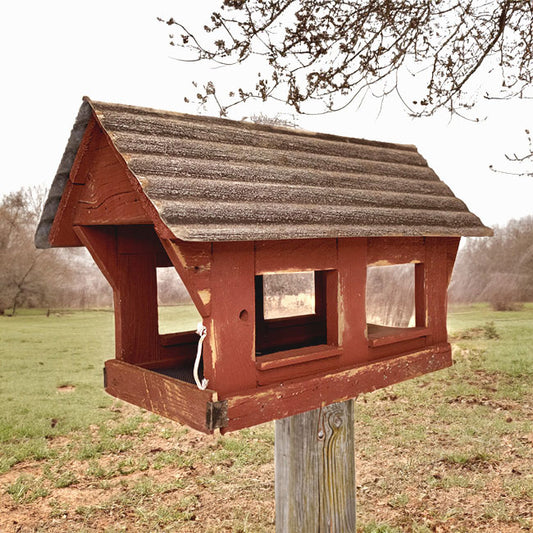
{"x":162,"y":392}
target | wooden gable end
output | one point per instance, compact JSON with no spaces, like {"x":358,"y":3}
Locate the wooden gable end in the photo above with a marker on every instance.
{"x":100,"y":191}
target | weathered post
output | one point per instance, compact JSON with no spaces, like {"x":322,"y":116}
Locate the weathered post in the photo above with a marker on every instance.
{"x":315,"y":471}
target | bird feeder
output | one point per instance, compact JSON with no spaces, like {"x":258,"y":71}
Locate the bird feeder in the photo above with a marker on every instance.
{"x":230,"y":205}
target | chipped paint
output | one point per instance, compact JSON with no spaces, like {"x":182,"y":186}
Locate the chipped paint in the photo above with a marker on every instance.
{"x":205,"y":296}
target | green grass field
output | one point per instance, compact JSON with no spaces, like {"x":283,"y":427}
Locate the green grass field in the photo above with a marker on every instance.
{"x":452,"y":451}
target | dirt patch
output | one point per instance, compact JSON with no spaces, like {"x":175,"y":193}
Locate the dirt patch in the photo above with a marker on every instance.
{"x":416,"y":472}
{"x":210,"y":489}
{"x":64,"y":389}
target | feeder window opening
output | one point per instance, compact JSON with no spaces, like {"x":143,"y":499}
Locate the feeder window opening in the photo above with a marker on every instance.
{"x":395,"y":302}
{"x":176,"y":310}
{"x":292,"y":310}
{"x":290,"y":294}
{"x":178,"y":321}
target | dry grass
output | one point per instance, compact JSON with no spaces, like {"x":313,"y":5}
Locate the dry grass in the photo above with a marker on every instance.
{"x":448,"y":452}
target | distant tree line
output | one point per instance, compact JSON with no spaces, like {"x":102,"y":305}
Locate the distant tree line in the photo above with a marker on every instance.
{"x":42,"y":278}
{"x":498,"y":270}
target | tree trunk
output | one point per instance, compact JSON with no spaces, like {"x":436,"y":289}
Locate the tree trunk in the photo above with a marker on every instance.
{"x":315,"y":471}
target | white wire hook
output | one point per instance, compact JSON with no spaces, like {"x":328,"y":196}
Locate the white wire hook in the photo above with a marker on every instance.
{"x":202,"y":331}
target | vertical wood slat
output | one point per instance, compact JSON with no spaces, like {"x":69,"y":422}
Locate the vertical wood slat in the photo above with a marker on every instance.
{"x":136,"y":304}
{"x":229,"y":353}
{"x":315,"y":471}
{"x":420,"y":295}
{"x":352,"y":260}
{"x":127,"y":256}
{"x":436,"y":289}
{"x":332,"y":307}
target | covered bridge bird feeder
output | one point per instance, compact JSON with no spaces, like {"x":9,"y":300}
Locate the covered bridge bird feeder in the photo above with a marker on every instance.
{"x":228,"y":204}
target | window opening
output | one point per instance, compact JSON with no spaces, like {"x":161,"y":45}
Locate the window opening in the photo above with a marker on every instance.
{"x":390,"y":295}
{"x":176,"y":310}
{"x":288,"y":294}
{"x":395,"y":308}
{"x":291,"y":310}
{"x":177,"y":323}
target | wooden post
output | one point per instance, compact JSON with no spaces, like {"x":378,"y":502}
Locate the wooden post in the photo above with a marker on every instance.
{"x":315,"y":471}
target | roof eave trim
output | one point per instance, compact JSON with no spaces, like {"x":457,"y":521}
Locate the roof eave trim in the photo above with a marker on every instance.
{"x":51,"y":205}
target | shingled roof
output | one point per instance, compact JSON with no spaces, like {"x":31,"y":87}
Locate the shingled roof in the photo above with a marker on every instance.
{"x":213,"y":179}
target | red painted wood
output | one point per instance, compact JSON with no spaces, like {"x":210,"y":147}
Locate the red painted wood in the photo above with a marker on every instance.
{"x":395,"y":250}
{"x":452,"y":245}
{"x":107,"y":196}
{"x":138,"y":239}
{"x":183,"y":351}
{"x":420,"y":296}
{"x":291,"y":332}
{"x":159,"y":394}
{"x":61,"y":232}
{"x":436,"y":268}
{"x":331,"y":280}
{"x":397,"y":348}
{"x":105,"y":208}
{"x":295,"y":256}
{"x":136,"y":308}
{"x":99,"y":191}
{"x":182,"y":360}
{"x":297,"y":356}
{"x":321,"y":295}
{"x":225,"y":273}
{"x":383,"y":335}
{"x":351,"y":306}
{"x":229,"y":355}
{"x":101,"y":242}
{"x":162,"y":229}
{"x":179,"y":338}
{"x":279,"y":401}
{"x":127,"y":257}
{"x":307,"y":369}
{"x":192,"y":261}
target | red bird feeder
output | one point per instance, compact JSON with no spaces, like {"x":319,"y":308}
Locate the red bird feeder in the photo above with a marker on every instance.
{"x":229,"y":205}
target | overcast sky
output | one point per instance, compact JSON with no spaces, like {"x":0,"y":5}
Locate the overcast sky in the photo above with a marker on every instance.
{"x":55,"y":52}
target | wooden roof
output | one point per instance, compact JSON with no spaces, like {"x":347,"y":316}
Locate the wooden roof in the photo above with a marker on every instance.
{"x":213,"y":179}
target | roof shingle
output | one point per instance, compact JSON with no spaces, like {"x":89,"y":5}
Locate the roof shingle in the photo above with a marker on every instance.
{"x":214,"y":179}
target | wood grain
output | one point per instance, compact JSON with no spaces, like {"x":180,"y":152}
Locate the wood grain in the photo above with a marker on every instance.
{"x":315,"y":471}
{"x":351,"y":304}
{"x":159,"y":394}
{"x":395,"y":250}
{"x":436,"y":269}
{"x":295,"y":256}
{"x":277,"y":401}
{"x":230,"y":348}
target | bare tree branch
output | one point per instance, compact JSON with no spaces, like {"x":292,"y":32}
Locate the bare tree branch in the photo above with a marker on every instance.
{"x":519,"y":161}
{"x":321,"y":55}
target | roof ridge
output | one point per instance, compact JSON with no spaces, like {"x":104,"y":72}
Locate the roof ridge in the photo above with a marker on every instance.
{"x":95,"y":104}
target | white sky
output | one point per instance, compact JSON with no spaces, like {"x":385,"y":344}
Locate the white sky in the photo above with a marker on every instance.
{"x":55,"y":52}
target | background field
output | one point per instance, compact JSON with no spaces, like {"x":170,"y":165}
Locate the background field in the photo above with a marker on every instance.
{"x":452,"y":451}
